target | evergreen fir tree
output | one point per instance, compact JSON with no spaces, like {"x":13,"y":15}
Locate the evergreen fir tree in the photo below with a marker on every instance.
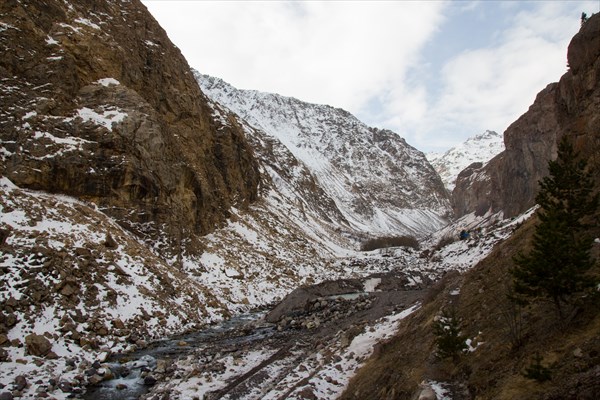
{"x":557,"y":265}
{"x":449,"y":340}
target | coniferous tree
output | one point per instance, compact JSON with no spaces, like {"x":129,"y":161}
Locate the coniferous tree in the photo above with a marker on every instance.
{"x":449,"y":339}
{"x":556,"y":266}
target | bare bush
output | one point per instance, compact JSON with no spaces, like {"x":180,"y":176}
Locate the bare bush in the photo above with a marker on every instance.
{"x":390,"y":241}
{"x":445,"y":241}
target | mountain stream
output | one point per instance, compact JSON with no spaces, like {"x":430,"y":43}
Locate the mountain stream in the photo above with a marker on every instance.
{"x":303,"y":348}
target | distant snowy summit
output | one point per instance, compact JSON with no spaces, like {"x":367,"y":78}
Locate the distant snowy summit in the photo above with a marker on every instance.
{"x":480,"y":148}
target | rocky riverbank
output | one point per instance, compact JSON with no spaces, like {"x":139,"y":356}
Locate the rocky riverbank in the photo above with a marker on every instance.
{"x":308,"y":346}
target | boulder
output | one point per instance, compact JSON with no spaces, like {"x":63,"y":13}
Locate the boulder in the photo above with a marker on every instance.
{"x":37,"y":345}
{"x":20,"y":383}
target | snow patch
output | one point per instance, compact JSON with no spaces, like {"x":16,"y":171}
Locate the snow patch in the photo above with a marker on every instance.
{"x":371,"y":284}
{"x":85,"y":21}
{"x":108,"y":82}
{"x":107,"y":118}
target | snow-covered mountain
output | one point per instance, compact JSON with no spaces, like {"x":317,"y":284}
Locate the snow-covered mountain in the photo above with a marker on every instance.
{"x":479,"y":148}
{"x":375,"y":182}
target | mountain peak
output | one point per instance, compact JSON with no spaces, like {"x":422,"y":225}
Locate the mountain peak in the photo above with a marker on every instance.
{"x":479,"y":148}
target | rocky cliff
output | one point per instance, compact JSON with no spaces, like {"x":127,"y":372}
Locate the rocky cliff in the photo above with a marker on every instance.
{"x":97,"y":103}
{"x":509,"y":182}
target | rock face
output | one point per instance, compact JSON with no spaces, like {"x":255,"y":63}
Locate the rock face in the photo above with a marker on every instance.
{"x":509,"y":182}
{"x":97,"y":103}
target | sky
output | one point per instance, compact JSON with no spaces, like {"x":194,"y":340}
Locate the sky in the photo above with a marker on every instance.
{"x":435,"y":72}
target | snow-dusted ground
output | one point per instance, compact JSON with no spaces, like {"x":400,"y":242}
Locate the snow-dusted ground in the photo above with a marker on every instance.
{"x":324,"y":371}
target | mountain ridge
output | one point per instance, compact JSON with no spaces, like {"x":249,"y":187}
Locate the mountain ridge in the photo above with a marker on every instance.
{"x":374,"y":177}
{"x":479,"y":148}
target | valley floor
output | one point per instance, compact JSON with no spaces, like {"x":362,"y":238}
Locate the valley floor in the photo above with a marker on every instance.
{"x":310,"y":351}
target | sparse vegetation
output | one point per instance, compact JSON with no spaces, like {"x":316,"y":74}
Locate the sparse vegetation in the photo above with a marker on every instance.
{"x":445,"y":241}
{"x":511,"y":312}
{"x":390,"y":241}
{"x":556,"y":267}
{"x":537,"y":371}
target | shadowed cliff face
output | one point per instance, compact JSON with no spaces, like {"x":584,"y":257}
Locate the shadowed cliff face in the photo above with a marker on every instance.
{"x":570,"y":107}
{"x":96,"y":102}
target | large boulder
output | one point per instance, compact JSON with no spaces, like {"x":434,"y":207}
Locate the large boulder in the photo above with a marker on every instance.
{"x":37,"y":345}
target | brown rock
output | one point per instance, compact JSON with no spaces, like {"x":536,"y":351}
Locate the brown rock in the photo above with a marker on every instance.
{"x":4,"y":357}
{"x":37,"y":345}
{"x":118,"y":324}
{"x":20,"y":383}
{"x":110,"y":242}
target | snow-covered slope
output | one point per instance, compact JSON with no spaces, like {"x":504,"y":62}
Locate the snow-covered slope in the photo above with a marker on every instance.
{"x":378,"y":183}
{"x":479,"y":148}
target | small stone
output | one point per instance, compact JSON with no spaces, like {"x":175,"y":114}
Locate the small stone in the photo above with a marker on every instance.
{"x":118,"y":324}
{"x":4,"y":356}
{"x":161,"y":366}
{"x":110,"y":242}
{"x":65,"y":386}
{"x":6,"y":396}
{"x":578,"y":353}
{"x":95,"y":379}
{"x":149,"y":380}
{"x":20,"y":383}
{"x":121,"y":386}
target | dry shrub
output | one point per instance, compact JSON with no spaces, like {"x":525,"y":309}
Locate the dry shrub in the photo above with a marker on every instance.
{"x":445,"y":241}
{"x":390,"y":241}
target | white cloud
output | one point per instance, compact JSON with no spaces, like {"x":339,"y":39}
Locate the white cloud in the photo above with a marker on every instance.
{"x":490,"y":87}
{"x":338,"y":53}
{"x":367,"y":57}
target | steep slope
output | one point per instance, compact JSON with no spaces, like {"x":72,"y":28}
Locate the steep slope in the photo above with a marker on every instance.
{"x":97,"y":103}
{"x":377,"y":181}
{"x":508,"y":183}
{"x":477,"y":149}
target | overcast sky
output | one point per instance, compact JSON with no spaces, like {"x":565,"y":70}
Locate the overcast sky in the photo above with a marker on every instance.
{"x":435,"y":72}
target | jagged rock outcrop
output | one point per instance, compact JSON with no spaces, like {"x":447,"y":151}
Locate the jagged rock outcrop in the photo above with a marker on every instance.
{"x":97,"y":103}
{"x":571,"y":107}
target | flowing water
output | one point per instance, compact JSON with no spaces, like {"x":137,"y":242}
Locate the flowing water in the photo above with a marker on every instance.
{"x":130,"y":370}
